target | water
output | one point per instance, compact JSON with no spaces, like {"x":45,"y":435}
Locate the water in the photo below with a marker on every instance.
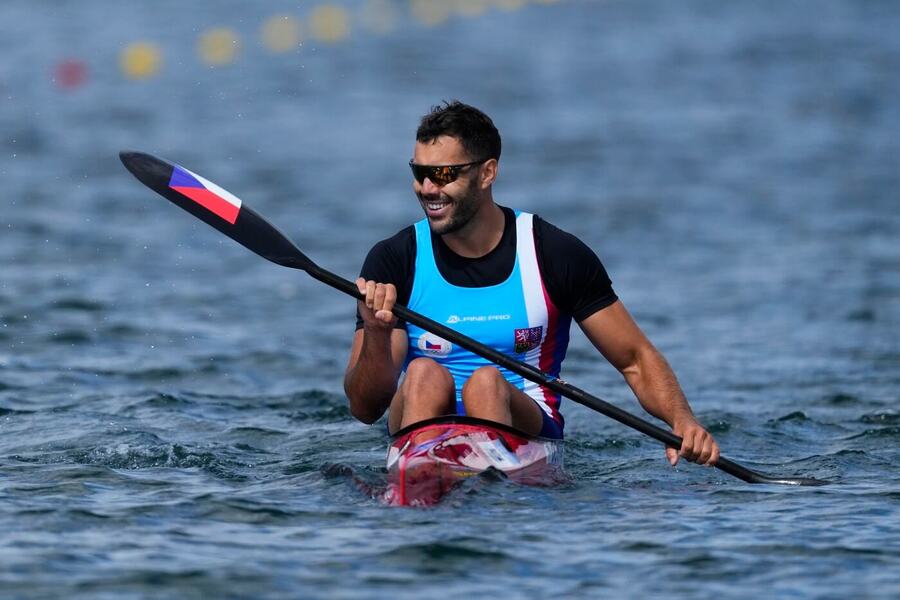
{"x":171,"y":405}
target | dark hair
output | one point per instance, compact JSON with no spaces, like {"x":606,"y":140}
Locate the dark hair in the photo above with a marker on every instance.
{"x":470,"y":126}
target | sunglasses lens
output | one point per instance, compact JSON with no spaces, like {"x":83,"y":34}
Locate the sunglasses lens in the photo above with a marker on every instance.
{"x":439,"y":175}
{"x":443,"y":175}
{"x":419,"y":172}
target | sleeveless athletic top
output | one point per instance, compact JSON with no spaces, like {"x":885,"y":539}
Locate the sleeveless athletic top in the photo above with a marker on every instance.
{"x":516,"y":317}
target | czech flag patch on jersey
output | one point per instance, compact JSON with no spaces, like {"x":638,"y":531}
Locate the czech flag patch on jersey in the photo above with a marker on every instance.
{"x":205,"y":193}
{"x":434,"y":345}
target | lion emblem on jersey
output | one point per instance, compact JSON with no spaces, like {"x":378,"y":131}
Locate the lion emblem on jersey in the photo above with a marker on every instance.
{"x":528,"y":338}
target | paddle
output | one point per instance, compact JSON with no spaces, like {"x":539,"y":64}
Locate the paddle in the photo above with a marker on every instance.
{"x":224,"y":211}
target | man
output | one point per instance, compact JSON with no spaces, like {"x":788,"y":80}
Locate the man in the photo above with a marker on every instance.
{"x":509,"y":280}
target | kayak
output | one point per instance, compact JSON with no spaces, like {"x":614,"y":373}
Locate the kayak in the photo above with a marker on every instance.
{"x":428,"y":459}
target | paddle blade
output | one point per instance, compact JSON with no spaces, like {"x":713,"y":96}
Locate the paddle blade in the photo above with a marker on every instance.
{"x":216,"y":207}
{"x":805,"y":481}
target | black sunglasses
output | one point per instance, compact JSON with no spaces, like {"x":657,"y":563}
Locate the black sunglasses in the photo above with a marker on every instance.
{"x":440,"y":175}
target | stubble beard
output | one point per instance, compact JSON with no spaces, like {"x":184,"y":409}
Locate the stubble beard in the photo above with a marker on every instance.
{"x":464,"y":209}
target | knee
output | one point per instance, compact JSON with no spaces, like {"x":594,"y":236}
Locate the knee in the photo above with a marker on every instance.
{"x":484,"y":380}
{"x":427,"y":370}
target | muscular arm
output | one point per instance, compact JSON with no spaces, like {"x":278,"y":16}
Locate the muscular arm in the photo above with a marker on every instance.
{"x":376,"y":356}
{"x":615,"y":334}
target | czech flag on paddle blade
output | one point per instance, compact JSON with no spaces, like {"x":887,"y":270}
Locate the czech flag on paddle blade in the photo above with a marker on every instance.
{"x":205,"y":193}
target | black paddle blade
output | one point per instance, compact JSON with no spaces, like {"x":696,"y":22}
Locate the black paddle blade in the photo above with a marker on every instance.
{"x":216,"y":207}
{"x":741,"y":472}
{"x":807,"y":481}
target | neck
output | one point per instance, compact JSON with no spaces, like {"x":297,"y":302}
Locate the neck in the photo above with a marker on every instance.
{"x":481,"y":234}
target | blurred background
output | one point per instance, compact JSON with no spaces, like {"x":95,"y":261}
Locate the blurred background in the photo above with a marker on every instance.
{"x":725,"y":164}
{"x":734,"y":165}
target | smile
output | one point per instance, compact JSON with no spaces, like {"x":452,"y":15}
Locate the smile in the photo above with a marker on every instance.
{"x":434,"y":207}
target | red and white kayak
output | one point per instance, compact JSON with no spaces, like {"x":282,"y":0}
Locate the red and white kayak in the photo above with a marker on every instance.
{"x":426,"y":459}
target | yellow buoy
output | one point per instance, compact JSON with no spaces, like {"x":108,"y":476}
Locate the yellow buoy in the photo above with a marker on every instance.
{"x":329,"y":23}
{"x":509,"y":4}
{"x":140,"y":60}
{"x":470,"y":8}
{"x":219,"y":47}
{"x":430,"y":12}
{"x":281,"y":33}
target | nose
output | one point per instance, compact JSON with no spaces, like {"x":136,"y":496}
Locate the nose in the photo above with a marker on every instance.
{"x":430,"y":188}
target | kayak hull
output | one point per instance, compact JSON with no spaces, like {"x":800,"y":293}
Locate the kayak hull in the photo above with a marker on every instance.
{"x":428,"y":459}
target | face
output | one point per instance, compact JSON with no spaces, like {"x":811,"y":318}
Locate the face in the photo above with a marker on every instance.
{"x":449,"y":207}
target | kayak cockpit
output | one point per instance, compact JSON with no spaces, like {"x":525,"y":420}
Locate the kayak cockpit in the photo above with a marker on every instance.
{"x":427,"y":459}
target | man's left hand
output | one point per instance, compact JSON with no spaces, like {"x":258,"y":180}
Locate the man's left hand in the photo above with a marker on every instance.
{"x":697,"y":444}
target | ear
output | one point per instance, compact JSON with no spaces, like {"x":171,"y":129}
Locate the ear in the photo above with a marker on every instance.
{"x":489,"y":172}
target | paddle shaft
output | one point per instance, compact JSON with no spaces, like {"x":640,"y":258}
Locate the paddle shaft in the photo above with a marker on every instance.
{"x":536,"y":375}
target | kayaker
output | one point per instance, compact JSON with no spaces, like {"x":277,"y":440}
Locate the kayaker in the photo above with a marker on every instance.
{"x":506,"y":278}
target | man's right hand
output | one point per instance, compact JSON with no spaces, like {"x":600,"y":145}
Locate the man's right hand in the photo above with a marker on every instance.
{"x":377,"y":355}
{"x":377,"y":308}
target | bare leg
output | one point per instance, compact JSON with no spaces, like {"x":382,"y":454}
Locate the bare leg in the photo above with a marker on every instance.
{"x":426,"y":391}
{"x":487,"y":395}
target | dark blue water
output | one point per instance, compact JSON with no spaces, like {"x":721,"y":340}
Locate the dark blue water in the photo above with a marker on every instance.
{"x":171,"y":405}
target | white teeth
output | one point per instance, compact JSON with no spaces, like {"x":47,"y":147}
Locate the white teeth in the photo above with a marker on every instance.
{"x":435,"y":205}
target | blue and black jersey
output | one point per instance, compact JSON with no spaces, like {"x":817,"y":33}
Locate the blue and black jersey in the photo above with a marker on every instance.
{"x":519,"y":298}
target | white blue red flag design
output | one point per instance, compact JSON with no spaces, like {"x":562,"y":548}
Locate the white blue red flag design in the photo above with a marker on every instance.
{"x":205,"y":193}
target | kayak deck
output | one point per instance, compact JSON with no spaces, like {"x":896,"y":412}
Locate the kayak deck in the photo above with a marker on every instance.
{"x":427,"y":459}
